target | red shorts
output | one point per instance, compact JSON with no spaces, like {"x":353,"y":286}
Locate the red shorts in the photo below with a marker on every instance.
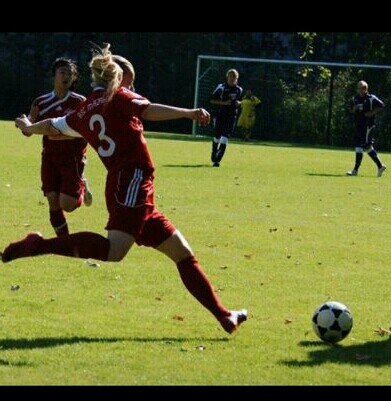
{"x":130,"y":203}
{"x":63,"y":172}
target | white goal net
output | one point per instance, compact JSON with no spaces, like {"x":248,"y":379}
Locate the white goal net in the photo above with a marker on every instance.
{"x":301,"y":101}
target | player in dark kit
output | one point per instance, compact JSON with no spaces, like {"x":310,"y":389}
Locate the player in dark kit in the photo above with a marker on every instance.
{"x":227,"y":98}
{"x":365,"y":106}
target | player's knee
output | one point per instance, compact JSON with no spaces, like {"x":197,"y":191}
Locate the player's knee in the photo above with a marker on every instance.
{"x":120,"y":244}
{"x":53,"y":200}
{"x":176,"y":247}
{"x":117,"y":252}
{"x":369,"y":149}
{"x":224,"y":140}
{"x":184,"y":254}
{"x":181,"y":248}
{"x":116,"y":256}
{"x":67,"y":205}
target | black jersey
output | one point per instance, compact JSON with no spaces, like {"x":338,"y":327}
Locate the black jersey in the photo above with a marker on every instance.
{"x":365,"y":103}
{"x":225,"y":92}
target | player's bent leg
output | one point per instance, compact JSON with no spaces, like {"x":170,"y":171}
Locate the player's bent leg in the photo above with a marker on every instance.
{"x":359,"y":156}
{"x":53,"y":200}
{"x":57,"y":216}
{"x":73,"y":188}
{"x":68,"y":203}
{"x":120,"y":244}
{"x":222,"y":148}
{"x":375,"y":157}
{"x":87,"y":200}
{"x":82,"y":245}
{"x":215,"y":144}
{"x":197,"y":283}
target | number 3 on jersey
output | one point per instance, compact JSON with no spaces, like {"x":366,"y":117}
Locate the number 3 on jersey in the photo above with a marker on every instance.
{"x":97,"y":118}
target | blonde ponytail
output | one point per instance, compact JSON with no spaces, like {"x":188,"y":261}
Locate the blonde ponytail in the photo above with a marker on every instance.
{"x":105,"y":71}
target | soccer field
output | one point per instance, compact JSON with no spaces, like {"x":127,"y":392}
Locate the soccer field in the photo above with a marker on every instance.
{"x":278,"y":229}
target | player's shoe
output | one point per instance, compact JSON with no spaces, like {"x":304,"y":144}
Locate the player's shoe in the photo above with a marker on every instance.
{"x":87,"y":200}
{"x":216,"y":164}
{"x":232,"y":322}
{"x":381,"y":170}
{"x":352,"y":172}
{"x":26,"y":247}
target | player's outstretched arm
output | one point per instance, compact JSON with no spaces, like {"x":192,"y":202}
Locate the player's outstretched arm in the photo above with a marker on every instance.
{"x":43,"y":127}
{"x":161,"y":112}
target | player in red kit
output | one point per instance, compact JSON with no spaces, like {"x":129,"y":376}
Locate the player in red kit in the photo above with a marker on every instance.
{"x":110,"y":121}
{"x":63,"y":158}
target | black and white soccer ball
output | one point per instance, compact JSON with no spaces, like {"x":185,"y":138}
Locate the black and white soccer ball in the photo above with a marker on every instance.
{"x":332,"y":322}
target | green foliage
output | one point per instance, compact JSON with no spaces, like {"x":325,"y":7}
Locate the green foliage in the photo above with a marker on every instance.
{"x":165,"y":72}
{"x":309,"y":38}
{"x":309,"y":233}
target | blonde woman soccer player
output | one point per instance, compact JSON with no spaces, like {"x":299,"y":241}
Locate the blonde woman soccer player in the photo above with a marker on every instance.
{"x":110,"y":122}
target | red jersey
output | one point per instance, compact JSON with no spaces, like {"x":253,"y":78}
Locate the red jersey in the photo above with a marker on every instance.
{"x":50,"y":106}
{"x":112,"y":128}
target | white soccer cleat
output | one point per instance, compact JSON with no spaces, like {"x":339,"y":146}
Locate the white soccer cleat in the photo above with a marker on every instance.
{"x":232,"y":322}
{"x":352,"y":172}
{"x":381,"y":170}
{"x":87,"y":200}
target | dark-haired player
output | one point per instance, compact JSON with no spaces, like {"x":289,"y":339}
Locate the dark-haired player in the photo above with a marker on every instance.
{"x":63,"y":159}
{"x":365,"y":106}
{"x":227,"y":98}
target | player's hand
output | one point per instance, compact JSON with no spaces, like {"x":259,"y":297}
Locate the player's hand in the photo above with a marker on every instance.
{"x":22,"y":122}
{"x":201,"y":116}
{"x":237,"y":103}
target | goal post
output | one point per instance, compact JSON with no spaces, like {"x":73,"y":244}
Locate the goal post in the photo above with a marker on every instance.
{"x":301,"y":101}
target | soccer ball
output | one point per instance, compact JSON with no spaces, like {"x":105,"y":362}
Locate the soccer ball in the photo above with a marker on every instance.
{"x":332,"y":322}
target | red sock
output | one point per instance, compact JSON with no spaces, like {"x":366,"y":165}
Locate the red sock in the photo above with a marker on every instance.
{"x":80,"y":199}
{"x":58,"y":222}
{"x":82,"y":245}
{"x":199,"y":286}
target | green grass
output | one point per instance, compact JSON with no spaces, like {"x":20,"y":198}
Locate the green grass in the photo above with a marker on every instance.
{"x":73,"y":324}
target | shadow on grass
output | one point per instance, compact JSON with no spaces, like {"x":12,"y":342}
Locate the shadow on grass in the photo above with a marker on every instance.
{"x":49,"y":342}
{"x":187,"y":165}
{"x":372,"y":353}
{"x":175,"y":339}
{"x":17,"y":364}
{"x":325,"y":175}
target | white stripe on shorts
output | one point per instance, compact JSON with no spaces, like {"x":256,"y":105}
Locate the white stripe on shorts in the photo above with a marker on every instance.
{"x":133,"y":188}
